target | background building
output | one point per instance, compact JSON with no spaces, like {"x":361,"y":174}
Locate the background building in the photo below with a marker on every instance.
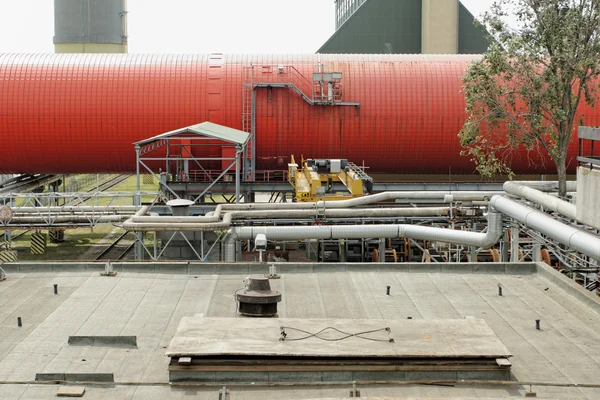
{"x":404,"y":27}
{"x":90,"y":26}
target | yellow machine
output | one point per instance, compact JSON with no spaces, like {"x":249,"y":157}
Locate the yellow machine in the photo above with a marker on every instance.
{"x":314,"y":180}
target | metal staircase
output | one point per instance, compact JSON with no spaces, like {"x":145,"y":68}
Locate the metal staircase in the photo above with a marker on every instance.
{"x":325,"y":89}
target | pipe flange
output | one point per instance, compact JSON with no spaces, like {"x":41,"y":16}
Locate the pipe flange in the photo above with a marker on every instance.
{"x":6,"y":213}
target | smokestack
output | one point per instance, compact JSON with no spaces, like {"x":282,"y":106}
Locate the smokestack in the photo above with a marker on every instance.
{"x":439,"y":32}
{"x":90,"y":26}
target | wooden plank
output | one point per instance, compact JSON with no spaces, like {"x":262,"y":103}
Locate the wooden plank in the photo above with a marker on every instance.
{"x":70,"y":391}
{"x":458,"y":338}
{"x":503,"y":362}
{"x":185,"y":361}
{"x":316,"y":368}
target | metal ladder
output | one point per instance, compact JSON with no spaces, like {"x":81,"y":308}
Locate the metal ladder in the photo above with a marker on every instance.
{"x":247,"y":121}
{"x":360,"y":172}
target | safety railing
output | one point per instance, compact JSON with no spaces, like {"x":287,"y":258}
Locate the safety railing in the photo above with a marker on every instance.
{"x":211,"y":175}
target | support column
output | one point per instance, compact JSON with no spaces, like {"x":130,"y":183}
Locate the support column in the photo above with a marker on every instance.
{"x":514,"y":244}
{"x":472,"y":249}
{"x":537,"y":251}
{"x":307,"y":248}
{"x":186,"y":170}
{"x":504,"y":247}
{"x":439,"y":32}
{"x":137,"y":200}
{"x":253,"y":133}
{"x":381,"y":250}
{"x":238,"y":162}
{"x":155,"y":245}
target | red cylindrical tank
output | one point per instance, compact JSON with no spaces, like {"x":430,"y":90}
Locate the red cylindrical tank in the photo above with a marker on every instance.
{"x":81,"y":113}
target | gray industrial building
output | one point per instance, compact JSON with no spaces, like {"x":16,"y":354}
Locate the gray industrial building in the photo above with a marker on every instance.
{"x":90,"y":26}
{"x":405,"y":27}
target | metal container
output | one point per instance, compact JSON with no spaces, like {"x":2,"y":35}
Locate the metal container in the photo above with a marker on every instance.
{"x":180,"y":207}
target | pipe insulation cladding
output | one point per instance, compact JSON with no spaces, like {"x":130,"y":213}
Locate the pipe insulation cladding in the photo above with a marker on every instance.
{"x":81,"y":113}
{"x":475,"y":239}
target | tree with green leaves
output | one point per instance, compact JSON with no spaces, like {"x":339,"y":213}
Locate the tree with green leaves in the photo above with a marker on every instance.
{"x":542,"y":64}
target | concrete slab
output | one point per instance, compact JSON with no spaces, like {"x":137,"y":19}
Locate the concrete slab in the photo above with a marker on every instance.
{"x":565,"y":353}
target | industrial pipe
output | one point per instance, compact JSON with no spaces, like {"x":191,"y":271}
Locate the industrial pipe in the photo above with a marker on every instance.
{"x":326,"y":205}
{"x":129,"y":209}
{"x":199,"y":224}
{"x":484,"y":240}
{"x":529,"y":191}
{"x":568,"y":235}
{"x":66,"y":219}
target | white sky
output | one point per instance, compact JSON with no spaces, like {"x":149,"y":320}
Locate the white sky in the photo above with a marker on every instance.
{"x":193,"y":26}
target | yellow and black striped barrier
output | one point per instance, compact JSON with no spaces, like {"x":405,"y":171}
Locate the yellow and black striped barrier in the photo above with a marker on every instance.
{"x":56,"y":235}
{"x":6,"y":254}
{"x":38,"y":243}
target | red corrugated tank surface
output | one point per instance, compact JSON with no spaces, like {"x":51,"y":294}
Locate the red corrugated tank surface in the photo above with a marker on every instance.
{"x":71,"y":113}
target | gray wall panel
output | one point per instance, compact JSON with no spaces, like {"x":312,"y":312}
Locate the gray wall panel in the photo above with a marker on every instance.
{"x":89,"y":21}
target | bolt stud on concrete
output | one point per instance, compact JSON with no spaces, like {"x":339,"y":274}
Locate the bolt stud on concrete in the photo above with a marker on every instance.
{"x":55,"y":288}
{"x":387,"y":291}
{"x":537,"y":324}
{"x":19,"y":322}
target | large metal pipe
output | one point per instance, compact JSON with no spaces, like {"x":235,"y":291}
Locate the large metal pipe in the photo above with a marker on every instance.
{"x":199,"y":224}
{"x":532,"y":191}
{"x":129,"y":209}
{"x":175,"y":91}
{"x":570,"y":236}
{"x":485,"y":240}
{"x":64,"y":219}
{"x":322,"y":205}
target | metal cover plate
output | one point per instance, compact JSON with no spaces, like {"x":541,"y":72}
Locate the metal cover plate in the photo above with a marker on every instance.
{"x":587,"y":132}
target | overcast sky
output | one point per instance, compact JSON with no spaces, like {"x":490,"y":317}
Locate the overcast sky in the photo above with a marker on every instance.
{"x":193,"y":26}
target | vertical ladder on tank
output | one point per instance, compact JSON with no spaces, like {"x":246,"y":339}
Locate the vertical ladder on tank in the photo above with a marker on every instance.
{"x":248,"y":111}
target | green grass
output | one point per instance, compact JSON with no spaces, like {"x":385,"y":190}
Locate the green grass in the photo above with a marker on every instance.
{"x":86,"y":243}
{"x":128,"y":186}
{"x":79,"y":244}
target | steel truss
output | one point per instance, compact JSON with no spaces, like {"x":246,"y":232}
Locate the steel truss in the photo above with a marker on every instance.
{"x":67,"y":210}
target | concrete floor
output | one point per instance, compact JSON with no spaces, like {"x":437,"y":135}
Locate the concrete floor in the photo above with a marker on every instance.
{"x":565,"y":352}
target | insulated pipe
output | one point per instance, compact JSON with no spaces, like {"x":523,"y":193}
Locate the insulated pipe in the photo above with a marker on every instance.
{"x":130,"y":209}
{"x":529,"y":191}
{"x":66,"y":219}
{"x":193,"y":224}
{"x":474,"y":239}
{"x":546,"y":186}
{"x":142,"y":211}
{"x":572,"y":237}
{"x":356,"y":202}
{"x":69,"y":214}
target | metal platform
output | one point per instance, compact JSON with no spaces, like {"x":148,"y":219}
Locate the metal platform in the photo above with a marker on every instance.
{"x":285,"y":187}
